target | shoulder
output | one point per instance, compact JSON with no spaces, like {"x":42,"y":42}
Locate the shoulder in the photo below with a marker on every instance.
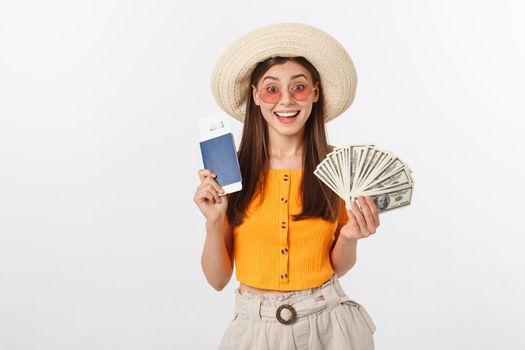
{"x":331,"y":147}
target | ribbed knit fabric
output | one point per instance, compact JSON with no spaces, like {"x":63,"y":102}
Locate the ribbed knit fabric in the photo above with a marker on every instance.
{"x":274,"y":252}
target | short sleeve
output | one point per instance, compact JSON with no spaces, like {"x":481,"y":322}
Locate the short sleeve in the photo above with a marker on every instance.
{"x":343,"y":215}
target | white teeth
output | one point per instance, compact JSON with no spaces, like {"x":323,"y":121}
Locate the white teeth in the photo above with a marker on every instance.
{"x":287,"y":114}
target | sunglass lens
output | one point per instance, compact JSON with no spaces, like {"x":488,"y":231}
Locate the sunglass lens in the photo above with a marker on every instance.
{"x":301,"y":93}
{"x":270,"y":96}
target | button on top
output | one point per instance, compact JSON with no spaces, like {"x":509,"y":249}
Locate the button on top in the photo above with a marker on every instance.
{"x":284,"y":223}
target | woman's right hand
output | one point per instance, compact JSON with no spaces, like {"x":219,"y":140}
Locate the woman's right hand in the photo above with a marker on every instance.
{"x":210,"y":197}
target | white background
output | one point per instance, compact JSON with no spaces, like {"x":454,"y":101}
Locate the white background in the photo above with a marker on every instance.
{"x":100,"y":241}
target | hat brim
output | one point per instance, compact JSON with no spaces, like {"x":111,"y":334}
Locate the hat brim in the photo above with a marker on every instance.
{"x":230,"y":78}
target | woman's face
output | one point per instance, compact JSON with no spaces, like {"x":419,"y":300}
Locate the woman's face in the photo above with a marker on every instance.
{"x":285,"y":77}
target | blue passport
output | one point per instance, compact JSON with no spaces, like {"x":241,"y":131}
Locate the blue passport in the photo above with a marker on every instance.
{"x":219,"y":155}
{"x":218,"y":151}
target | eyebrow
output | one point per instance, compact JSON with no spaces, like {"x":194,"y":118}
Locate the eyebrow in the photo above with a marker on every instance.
{"x":293,"y":77}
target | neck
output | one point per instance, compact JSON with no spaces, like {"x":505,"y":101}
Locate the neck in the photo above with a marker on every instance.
{"x":286,"y":146}
{"x":286,"y":152}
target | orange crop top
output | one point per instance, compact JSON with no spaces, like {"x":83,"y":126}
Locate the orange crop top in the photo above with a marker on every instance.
{"x":271,"y":250}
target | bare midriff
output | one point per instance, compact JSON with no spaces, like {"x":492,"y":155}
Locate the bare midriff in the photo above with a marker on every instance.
{"x":246,"y":288}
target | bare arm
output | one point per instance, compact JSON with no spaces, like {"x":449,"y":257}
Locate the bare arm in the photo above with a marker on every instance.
{"x":217,"y":255}
{"x":343,"y":254}
{"x":362,"y":222}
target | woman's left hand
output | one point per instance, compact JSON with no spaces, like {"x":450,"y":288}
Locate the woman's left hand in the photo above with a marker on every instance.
{"x":361,"y":223}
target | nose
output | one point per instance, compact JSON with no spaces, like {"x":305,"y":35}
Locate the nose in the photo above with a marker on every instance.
{"x":286,"y":98}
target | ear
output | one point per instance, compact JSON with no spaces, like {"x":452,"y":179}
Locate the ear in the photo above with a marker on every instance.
{"x":316,"y":92}
{"x":254,"y":95}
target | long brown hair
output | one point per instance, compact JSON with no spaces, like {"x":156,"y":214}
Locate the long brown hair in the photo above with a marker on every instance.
{"x":253,"y":154}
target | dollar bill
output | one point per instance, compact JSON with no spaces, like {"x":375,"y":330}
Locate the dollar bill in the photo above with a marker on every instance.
{"x":355,"y":170}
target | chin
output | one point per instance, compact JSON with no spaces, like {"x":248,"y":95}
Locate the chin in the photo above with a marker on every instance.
{"x":289,"y":131}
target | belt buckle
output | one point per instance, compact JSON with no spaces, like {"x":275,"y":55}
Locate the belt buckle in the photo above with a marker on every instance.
{"x":292,"y":310}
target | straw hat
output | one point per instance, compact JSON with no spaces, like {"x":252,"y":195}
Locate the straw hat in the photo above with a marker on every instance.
{"x":230,"y":78}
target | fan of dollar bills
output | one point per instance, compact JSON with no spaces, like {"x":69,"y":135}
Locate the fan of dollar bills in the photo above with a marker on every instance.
{"x":365,"y":170}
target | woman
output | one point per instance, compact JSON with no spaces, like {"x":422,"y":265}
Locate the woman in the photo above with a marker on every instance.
{"x":290,"y":236}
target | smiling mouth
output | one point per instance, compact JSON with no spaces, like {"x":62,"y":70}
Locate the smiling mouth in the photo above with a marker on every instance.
{"x":286,"y":114}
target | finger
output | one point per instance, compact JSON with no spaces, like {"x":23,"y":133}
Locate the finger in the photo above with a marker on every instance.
{"x":367,"y":213}
{"x":215,"y":195}
{"x":352,"y":220}
{"x":215,"y":185}
{"x":214,"y":192}
{"x":207,"y":182}
{"x":203,"y":196}
{"x":360,"y":219}
{"x":204,"y":173}
{"x":373,"y":209}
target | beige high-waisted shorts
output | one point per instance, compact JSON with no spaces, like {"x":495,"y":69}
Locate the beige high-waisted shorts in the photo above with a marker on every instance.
{"x":317,"y":318}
